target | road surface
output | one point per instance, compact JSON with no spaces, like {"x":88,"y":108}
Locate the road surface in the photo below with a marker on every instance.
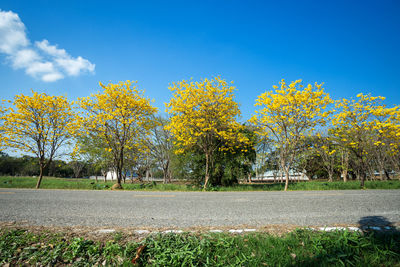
{"x":190,"y":209}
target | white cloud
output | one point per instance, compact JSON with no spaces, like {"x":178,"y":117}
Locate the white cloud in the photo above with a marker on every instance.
{"x":24,"y":57}
{"x":52,"y":50}
{"x":51,"y":77}
{"x":43,"y":61}
{"x":12,"y":32}
{"x":36,"y":68}
{"x":72,"y":66}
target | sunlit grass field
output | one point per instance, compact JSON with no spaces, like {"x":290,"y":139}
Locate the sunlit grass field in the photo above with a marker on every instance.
{"x":87,"y":184}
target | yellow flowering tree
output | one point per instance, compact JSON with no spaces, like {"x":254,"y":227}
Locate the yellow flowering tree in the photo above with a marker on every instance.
{"x":121,"y":116}
{"x":38,"y":125}
{"x":203,"y":116}
{"x":386,"y":139}
{"x":288,"y":114}
{"x":363,"y":126}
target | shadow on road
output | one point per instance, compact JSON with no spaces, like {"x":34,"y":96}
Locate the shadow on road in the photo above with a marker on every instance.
{"x":376,"y":223}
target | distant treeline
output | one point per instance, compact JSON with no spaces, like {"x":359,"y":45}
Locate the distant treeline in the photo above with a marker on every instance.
{"x":28,"y":166}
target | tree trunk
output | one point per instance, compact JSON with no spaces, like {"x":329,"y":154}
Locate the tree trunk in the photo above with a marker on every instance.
{"x":371,"y":172}
{"x":344,"y":174}
{"x":40,"y":176}
{"x":164,"y":176}
{"x":119,"y":176}
{"x":387,"y":175}
{"x":140,"y":177}
{"x":207,"y":174}
{"x":363,"y":176}
{"x":166,"y":172}
{"x":169,"y":176}
{"x":287,"y":178}
{"x":96,"y":178}
{"x":362,"y":172}
{"x":345,"y":165}
{"x":381,"y":173}
{"x":330,"y":174}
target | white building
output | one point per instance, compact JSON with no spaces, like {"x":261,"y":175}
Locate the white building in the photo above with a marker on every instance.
{"x":110,"y":175}
{"x":269,"y":176}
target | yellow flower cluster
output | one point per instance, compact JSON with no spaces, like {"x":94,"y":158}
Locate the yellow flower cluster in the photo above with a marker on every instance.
{"x":291,"y":111}
{"x":37,"y":124}
{"x":365,"y":121}
{"x":202,"y":112}
{"x":120,"y":116}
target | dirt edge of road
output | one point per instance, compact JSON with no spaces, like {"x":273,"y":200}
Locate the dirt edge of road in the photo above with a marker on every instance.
{"x":105,"y":233}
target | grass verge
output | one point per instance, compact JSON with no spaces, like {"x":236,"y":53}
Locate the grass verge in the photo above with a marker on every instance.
{"x":298,"y":248}
{"x":64,"y":183}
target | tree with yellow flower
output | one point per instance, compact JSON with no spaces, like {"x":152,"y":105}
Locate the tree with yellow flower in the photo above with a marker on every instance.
{"x":288,"y":114}
{"x":386,"y":140}
{"x":121,"y":116}
{"x":362,"y":126}
{"x":203,"y":116}
{"x":40,"y":125}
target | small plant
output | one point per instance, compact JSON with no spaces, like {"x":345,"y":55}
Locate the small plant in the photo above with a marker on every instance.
{"x":118,"y":236}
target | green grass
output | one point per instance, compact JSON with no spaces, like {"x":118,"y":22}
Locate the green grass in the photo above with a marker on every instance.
{"x":299,"y":248}
{"x":64,"y":183}
{"x":312,"y":185}
{"x":47,"y":183}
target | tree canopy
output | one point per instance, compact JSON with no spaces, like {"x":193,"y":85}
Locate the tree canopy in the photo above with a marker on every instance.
{"x":121,"y":116}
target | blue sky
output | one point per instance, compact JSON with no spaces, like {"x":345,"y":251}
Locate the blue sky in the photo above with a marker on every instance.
{"x":351,"y":46}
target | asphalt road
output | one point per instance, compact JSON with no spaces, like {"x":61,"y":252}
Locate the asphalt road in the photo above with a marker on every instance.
{"x":188,"y":209}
